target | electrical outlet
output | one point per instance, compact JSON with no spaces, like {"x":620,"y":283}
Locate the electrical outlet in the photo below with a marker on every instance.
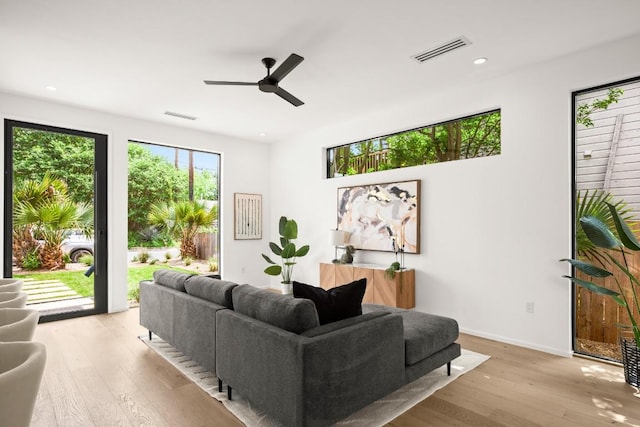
{"x":529,"y":307}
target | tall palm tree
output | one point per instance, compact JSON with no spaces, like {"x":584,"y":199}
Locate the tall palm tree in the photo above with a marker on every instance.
{"x":45,"y":210}
{"x":183,"y":220}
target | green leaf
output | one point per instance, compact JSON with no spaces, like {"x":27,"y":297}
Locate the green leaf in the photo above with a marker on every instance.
{"x":302,"y":251}
{"x":273,"y":270}
{"x":595,"y":288}
{"x":282,"y":224}
{"x":275,"y":249}
{"x":289,"y":251}
{"x":626,"y":235}
{"x":266,"y":258}
{"x":588,"y":268}
{"x":598,"y":233}
{"x":290,"y":230}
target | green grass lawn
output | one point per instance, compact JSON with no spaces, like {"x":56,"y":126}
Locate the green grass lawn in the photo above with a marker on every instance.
{"x":83,"y":285}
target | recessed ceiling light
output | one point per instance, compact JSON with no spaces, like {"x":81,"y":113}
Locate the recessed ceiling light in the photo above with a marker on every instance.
{"x":479,"y":61}
{"x":51,"y":88}
{"x":262,"y":134}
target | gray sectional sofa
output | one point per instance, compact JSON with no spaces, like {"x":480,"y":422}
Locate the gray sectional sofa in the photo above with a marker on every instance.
{"x":272,"y":349}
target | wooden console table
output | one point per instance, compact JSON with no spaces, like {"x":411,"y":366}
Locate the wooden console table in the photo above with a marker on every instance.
{"x":397,"y":292}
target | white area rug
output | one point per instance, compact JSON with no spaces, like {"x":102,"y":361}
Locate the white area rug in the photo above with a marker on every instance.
{"x":378,"y":413}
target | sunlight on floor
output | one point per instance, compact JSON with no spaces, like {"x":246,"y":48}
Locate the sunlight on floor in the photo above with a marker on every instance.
{"x":609,"y":409}
{"x":601,"y":373}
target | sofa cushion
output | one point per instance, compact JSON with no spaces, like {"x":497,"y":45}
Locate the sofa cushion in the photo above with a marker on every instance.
{"x":424,"y":334}
{"x":291,"y":314}
{"x":335,"y":304}
{"x":210,"y":289}
{"x":171,"y":278}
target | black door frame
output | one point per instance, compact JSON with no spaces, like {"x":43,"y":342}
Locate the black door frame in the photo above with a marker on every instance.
{"x":574,"y":190}
{"x":100,"y":213}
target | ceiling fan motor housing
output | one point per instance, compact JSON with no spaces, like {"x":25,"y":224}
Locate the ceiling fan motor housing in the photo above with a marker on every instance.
{"x":268,"y":85}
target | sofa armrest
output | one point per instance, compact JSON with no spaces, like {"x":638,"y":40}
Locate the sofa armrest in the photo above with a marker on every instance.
{"x":351,"y":367}
{"x":156,"y":309}
{"x":309,"y":381}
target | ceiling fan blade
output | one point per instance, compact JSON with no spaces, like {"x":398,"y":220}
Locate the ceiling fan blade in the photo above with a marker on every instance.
{"x":215,"y":82}
{"x":285,"y":68}
{"x":288,"y":97}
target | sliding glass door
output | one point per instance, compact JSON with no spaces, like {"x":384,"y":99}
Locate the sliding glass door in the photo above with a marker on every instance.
{"x":55,"y":218}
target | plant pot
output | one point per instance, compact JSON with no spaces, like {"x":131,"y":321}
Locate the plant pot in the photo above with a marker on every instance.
{"x":630,"y":360}
{"x":286,"y":288}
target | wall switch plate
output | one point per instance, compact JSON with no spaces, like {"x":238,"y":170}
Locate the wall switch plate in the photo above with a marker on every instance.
{"x":529,"y":307}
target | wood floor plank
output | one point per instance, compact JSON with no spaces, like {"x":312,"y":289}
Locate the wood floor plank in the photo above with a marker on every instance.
{"x":99,"y":373}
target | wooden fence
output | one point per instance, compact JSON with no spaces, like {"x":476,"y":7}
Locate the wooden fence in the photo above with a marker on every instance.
{"x":371,"y":162}
{"x":206,"y":245}
{"x":597,"y":316}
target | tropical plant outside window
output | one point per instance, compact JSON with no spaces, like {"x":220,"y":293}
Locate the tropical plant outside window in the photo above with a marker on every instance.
{"x":173,"y":210}
{"x":464,"y":138}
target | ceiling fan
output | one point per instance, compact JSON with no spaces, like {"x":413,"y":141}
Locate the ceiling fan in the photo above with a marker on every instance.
{"x":271,"y":83}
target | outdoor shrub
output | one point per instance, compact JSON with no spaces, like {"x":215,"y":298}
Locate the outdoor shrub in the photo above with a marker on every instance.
{"x":66,"y":258}
{"x":86,"y":260}
{"x":134,"y":293}
{"x":167,"y":255}
{"x":31,"y":261}
{"x":213,"y":264}
{"x":143,"y":256}
{"x":153,"y":261}
{"x":187,"y":261}
{"x":135,"y":258}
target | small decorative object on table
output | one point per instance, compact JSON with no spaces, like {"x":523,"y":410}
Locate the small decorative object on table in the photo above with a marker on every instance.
{"x":347,"y":257}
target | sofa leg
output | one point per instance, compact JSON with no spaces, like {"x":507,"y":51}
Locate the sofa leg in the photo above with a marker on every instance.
{"x":219,"y":385}
{"x":149,"y":335}
{"x":448,"y":369}
{"x":229,"y":392}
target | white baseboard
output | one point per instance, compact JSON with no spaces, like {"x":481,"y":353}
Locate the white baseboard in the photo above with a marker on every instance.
{"x":519,"y":343}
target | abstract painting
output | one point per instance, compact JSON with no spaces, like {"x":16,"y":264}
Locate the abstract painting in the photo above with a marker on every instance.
{"x":381,"y":217}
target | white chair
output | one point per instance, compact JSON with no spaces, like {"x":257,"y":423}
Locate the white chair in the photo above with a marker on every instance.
{"x":17,"y":324}
{"x":21,"y":369}
{"x":11,"y":285}
{"x":13,"y":299}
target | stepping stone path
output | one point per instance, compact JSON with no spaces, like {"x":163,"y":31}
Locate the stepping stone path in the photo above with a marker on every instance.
{"x":47,"y":290}
{"x":48,"y":295}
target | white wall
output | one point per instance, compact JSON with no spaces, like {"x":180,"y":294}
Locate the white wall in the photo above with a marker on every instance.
{"x":245,"y":168}
{"x":493,"y":229}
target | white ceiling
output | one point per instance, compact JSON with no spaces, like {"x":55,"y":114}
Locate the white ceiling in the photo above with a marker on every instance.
{"x":141,"y":58}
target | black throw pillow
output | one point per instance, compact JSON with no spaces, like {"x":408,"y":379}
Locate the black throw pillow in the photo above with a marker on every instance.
{"x":335,"y":304}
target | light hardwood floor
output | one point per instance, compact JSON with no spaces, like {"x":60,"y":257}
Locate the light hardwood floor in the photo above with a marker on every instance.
{"x":99,"y":374}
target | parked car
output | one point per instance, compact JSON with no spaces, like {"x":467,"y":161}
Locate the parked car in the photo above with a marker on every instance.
{"x":76,"y":245}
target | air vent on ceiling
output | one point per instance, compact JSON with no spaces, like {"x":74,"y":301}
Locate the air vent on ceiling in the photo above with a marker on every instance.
{"x":180,"y":116}
{"x":442,"y":49}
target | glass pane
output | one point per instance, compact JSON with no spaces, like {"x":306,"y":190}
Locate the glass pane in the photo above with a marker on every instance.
{"x":53,"y":219}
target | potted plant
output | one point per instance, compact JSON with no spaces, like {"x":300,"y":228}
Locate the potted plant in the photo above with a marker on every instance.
{"x":287,"y":252}
{"x":601,"y":236}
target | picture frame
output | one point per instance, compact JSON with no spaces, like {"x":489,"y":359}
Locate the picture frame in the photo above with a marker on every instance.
{"x":381,"y":217}
{"x":247,"y":216}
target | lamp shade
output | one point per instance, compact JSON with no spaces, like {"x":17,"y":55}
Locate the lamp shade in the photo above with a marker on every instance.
{"x":338,"y":237}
